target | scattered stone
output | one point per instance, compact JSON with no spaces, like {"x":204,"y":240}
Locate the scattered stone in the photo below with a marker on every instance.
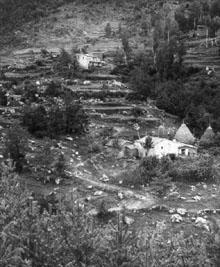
{"x":176,"y":218}
{"x":57,"y":180}
{"x":120,"y":195}
{"x":98,"y":193}
{"x":193,"y":188}
{"x":204,"y":186}
{"x":128,"y":220}
{"x":104,"y":178}
{"x":128,"y":194}
{"x":90,"y":187}
{"x":87,"y":199}
{"x":171,"y":211}
{"x":174,"y":194}
{"x":181,"y":211}
{"x":115,"y":209}
{"x":202,"y":223}
{"x":69,"y":138}
{"x":196,"y":198}
{"x":93,"y":212}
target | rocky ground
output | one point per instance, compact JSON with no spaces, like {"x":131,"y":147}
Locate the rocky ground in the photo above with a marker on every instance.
{"x":95,"y":177}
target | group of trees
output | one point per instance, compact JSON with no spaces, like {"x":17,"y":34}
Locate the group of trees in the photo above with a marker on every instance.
{"x":55,"y":120}
{"x":14,"y":13}
{"x":197,"y":12}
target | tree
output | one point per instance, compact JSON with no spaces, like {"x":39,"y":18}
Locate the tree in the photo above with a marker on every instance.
{"x":125,"y":43}
{"x":215,"y":9}
{"x":16,"y":146}
{"x":56,"y":122}
{"x":35,"y":119}
{"x":108,"y":30}
{"x":169,"y":59}
{"x":76,"y":119}
{"x":174,"y":97}
{"x":142,"y":82}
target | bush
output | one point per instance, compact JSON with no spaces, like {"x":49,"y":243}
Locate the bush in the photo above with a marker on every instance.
{"x":150,"y":171}
{"x":55,"y":121}
{"x":35,"y":119}
{"x":201,"y":169}
{"x":16,"y":146}
{"x":108,"y":30}
{"x":95,"y":147}
{"x":67,"y":65}
{"x":53,"y":89}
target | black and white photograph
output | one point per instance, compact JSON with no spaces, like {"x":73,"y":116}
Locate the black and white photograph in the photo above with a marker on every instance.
{"x":109,"y":133}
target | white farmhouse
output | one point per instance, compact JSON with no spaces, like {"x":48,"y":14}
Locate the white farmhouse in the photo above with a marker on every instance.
{"x":163,"y":147}
{"x":87,"y":61}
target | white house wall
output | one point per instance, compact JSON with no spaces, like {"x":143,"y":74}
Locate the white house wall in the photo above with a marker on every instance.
{"x":163,"y":148}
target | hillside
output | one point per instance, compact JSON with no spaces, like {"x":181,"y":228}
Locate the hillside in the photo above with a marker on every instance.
{"x":103,"y":163}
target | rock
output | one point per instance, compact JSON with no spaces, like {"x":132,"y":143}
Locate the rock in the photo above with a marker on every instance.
{"x":196,"y":198}
{"x":176,"y":218}
{"x":120,"y":182}
{"x":193,"y":188}
{"x":181,"y":211}
{"x":204,"y":186}
{"x":128,"y":194}
{"x":171,"y":211}
{"x":128,"y":220}
{"x":57,"y":180}
{"x":202,"y":223}
{"x":174,"y":194}
{"x":69,"y":138}
{"x":90,"y":187}
{"x":120,"y":195}
{"x":115,"y":209}
{"x":93,"y":212}
{"x":98,"y":193}
{"x":104,"y":178}
{"x":160,"y":208}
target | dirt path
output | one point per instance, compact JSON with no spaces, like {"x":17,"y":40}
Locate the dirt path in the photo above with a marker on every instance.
{"x":131,"y":199}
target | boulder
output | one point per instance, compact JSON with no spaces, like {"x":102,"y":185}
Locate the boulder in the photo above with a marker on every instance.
{"x":98,"y":193}
{"x":181,"y":211}
{"x":128,"y":220}
{"x":202,"y":223}
{"x":176,"y":218}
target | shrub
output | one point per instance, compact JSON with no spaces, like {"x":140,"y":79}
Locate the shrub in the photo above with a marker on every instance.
{"x":108,"y":30}
{"x":55,"y":121}
{"x":16,"y":146}
{"x":53,"y":89}
{"x":35,"y":119}
{"x":95,"y":147}
{"x":201,"y":169}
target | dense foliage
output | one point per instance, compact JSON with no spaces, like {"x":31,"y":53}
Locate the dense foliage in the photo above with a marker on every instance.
{"x":16,"y":146}
{"x":14,"y":13}
{"x":69,"y":236}
{"x":69,"y":118}
{"x":159,"y":173}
